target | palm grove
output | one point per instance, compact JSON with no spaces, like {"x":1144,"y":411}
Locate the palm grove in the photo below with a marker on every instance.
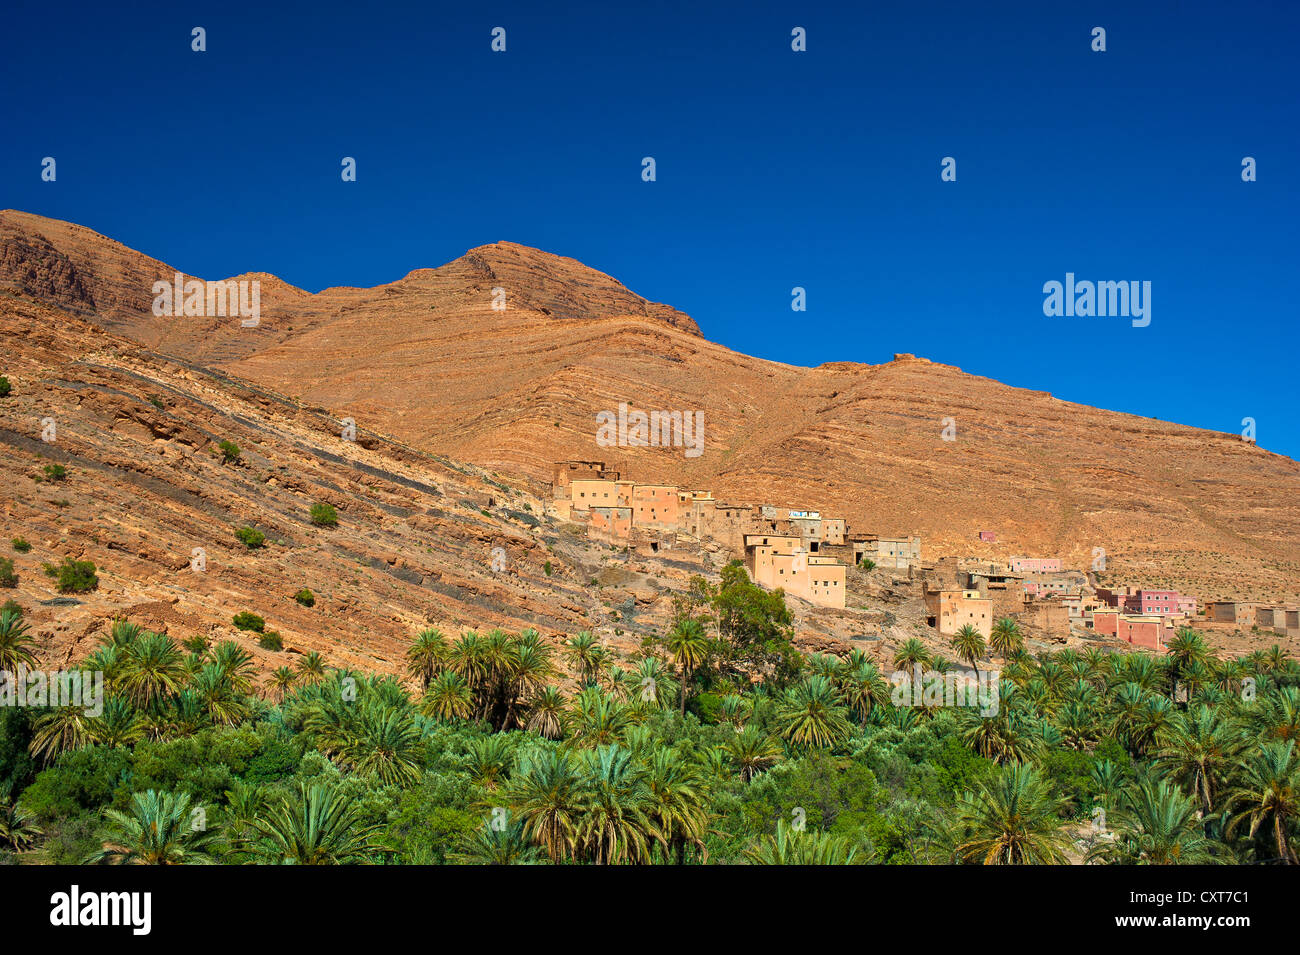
{"x":720,"y":743}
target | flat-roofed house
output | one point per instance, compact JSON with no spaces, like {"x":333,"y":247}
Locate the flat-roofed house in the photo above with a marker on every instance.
{"x":950,"y":610}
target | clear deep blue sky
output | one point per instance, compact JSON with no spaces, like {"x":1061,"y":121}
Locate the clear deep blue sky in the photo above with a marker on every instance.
{"x":775,"y":169}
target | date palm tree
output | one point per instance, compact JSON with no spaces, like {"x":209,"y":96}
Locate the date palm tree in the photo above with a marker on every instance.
{"x":752,"y":751}
{"x":153,"y":670}
{"x":528,"y":671}
{"x":615,"y":825}
{"x":1268,"y":797}
{"x":1156,"y":825}
{"x":678,"y":803}
{"x":494,"y":843}
{"x":59,"y":731}
{"x":1011,"y":819}
{"x":1006,"y":638}
{"x":158,"y":829}
{"x":213,"y":687}
{"x":311,"y":668}
{"x":811,"y":714}
{"x":15,"y":642}
{"x":235,"y":664}
{"x":912,"y":652}
{"x":119,"y":725}
{"x":17,"y":830}
{"x":689,"y":646}
{"x":584,"y":655}
{"x":448,"y":698}
{"x":546,"y":714}
{"x":281,"y":681}
{"x":1276,"y":715}
{"x":969,"y":644}
{"x":1198,"y":748}
{"x":598,"y":719}
{"x":426,"y":655}
{"x":790,"y":846}
{"x":316,"y":826}
{"x":864,"y":689}
{"x":545,"y":793}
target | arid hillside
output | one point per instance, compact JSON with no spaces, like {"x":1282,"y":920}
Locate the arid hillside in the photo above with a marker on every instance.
{"x":430,"y":361}
{"x":148,"y":496}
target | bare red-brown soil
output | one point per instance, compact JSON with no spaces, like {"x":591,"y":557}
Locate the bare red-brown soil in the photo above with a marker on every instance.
{"x":462,"y":408}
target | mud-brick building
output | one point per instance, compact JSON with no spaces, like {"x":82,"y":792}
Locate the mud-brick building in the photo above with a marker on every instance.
{"x":950,"y":610}
{"x":1050,"y":616}
{"x":566,"y":472}
{"x":781,"y":561}
{"x":1035,"y":565}
{"x":725,"y":523}
{"x":1151,"y":631}
{"x":612,"y":525}
{"x":1279,"y":619}
{"x":893,"y":553}
{"x":1241,"y":613}
{"x":654,"y":505}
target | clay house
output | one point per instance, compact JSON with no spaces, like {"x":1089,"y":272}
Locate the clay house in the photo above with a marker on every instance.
{"x":1045,"y":584}
{"x":1149,"y":631}
{"x":835,"y":530}
{"x":612,"y":525}
{"x":992,"y":578}
{"x":1279,"y":619}
{"x":1167,"y":603}
{"x":1035,"y":565}
{"x":774,"y":542}
{"x":587,"y":493}
{"x":988,"y":537}
{"x":725,"y":523}
{"x":1231,"y":611}
{"x":566,"y":472}
{"x":950,"y":610}
{"x":686,"y":498}
{"x":896,"y":553}
{"x":654,"y":505}
{"x":1052,"y":617}
{"x":786,"y":565}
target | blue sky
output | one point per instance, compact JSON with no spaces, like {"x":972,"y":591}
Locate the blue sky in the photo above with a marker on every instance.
{"x":775,"y":169}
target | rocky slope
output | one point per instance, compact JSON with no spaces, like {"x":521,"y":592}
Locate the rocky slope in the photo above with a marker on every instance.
{"x":428,"y":360}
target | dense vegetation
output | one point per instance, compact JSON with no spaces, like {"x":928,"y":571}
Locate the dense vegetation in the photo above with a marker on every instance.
{"x":720,"y":743}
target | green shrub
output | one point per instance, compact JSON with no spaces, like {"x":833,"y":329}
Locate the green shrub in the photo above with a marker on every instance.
{"x":547,"y":567}
{"x":156,"y":402}
{"x":7,"y":576}
{"x":11,"y":606}
{"x":229,"y":451}
{"x":73,"y":576}
{"x":270,"y":640}
{"x":867,"y":564}
{"x":5,"y":387}
{"x":55,"y":472}
{"x":250,"y":537}
{"x":305,"y":597}
{"x":324,"y":515}
{"x":21,"y":545}
{"x":247,"y":620}
{"x":196,"y":644}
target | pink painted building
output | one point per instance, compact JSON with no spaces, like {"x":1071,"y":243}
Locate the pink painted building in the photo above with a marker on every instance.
{"x":989,"y":536}
{"x":1166,"y":603}
{"x":1141,"y":631}
{"x":1035,"y":565}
